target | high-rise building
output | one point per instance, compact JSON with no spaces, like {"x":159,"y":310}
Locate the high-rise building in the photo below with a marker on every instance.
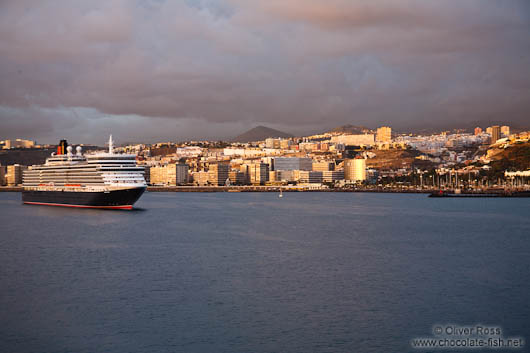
{"x":236,"y":177}
{"x":257,"y":173}
{"x":305,"y":176}
{"x":355,"y":169}
{"x":505,"y":130}
{"x":478,"y":131}
{"x":495,"y":133}
{"x":269,"y":161}
{"x":323,"y":166}
{"x":384,"y":134}
{"x":181,"y":173}
{"x":171,"y":174}
{"x":218,"y":173}
{"x":354,"y":140}
{"x":14,"y":174}
{"x":488,"y":130}
{"x":285,"y":143}
{"x":293,"y":163}
{"x":200,"y":178}
{"x":272,"y":175}
{"x":269,"y":143}
{"x":18,"y":143}
{"x":284,"y":175}
{"x":276,"y":143}
{"x":332,"y":175}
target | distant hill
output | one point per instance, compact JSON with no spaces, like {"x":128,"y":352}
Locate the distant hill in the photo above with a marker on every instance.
{"x":260,"y":133}
{"x":351,"y":129}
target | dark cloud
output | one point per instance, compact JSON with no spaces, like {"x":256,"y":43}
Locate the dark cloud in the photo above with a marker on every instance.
{"x":156,"y":70}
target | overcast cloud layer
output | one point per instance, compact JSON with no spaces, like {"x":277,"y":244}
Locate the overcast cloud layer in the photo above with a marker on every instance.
{"x":175,"y":70}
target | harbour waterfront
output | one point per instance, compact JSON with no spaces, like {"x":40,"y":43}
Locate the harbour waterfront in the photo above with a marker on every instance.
{"x":249,"y":272}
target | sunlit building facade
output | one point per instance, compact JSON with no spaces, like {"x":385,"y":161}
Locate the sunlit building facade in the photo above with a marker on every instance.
{"x":384,"y":134}
{"x":355,"y":169}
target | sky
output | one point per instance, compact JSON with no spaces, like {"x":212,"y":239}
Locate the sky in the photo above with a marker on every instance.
{"x":155,"y":70}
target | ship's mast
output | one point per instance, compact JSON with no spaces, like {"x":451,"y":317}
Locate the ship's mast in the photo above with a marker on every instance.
{"x":111,"y":145}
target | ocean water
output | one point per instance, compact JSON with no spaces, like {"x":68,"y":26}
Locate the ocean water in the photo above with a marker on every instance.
{"x":250,"y":272}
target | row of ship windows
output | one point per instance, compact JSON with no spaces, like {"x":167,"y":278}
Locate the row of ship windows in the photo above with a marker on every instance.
{"x":58,"y":184}
{"x":62,"y":176}
{"x":80,"y":183}
{"x":66,"y":179}
{"x":77,"y":158}
{"x":84,"y":183}
{"x":77,"y":175}
{"x":79,"y":179}
{"x":87,"y":173}
{"x":83,"y":174}
{"x":86,"y":170}
{"x":111,"y":158}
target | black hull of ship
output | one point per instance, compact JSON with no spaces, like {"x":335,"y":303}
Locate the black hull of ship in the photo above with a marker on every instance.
{"x":115,"y":199}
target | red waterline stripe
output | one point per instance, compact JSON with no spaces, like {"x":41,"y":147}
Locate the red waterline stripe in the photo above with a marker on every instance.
{"x":124,"y":207}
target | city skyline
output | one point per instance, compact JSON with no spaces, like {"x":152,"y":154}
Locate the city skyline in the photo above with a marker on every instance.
{"x":341,"y":132}
{"x":208,"y":70}
{"x":338,"y":159}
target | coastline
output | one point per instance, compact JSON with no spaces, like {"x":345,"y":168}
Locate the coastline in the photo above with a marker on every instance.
{"x":250,"y":188}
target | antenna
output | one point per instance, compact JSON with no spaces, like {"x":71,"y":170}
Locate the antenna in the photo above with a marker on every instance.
{"x":111,"y":144}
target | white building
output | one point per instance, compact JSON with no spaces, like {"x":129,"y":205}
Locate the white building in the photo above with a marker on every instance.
{"x":354,"y":140}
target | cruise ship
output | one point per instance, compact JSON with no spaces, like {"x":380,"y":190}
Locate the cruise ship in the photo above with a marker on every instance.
{"x":100,"y":180}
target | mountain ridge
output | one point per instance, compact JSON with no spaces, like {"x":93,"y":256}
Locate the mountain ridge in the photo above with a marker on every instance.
{"x":260,"y":133}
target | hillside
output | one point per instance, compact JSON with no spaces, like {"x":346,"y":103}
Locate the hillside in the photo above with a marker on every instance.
{"x":351,"y":129}
{"x":394,"y":159}
{"x":515,"y":157}
{"x":260,"y":133}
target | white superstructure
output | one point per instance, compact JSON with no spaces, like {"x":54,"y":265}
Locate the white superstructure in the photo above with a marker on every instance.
{"x":99,"y":171}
